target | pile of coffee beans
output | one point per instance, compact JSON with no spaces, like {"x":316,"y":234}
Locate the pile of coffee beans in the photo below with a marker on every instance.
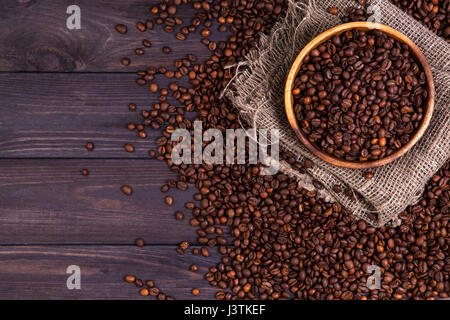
{"x":360,"y":95}
{"x":434,"y":14}
{"x":278,"y":240}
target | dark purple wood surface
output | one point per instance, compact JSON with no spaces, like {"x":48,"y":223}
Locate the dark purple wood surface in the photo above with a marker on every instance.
{"x":39,"y":272}
{"x":58,"y":90}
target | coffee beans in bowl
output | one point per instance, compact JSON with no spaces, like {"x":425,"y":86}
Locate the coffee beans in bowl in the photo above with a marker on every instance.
{"x":360,"y":95}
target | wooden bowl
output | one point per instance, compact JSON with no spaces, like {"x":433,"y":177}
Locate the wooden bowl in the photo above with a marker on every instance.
{"x":289,"y":98}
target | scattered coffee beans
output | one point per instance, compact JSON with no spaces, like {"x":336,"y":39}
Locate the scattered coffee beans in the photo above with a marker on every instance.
{"x":286,"y":242}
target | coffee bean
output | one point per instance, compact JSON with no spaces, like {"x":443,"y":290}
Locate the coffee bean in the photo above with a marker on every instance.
{"x":184,"y":245}
{"x":333,"y":11}
{"x":169,"y":200}
{"x":130,"y":278}
{"x":85,"y":172}
{"x":146,"y":43}
{"x":368,"y":175}
{"x":195,"y":292}
{"x":122,"y":29}
{"x":154,"y":292}
{"x":204,"y":252}
{"x":125,"y":61}
{"x":127,"y":190}
{"x":179,"y":215}
{"x":144,"y":292}
{"x":138,"y":283}
{"x":140,"y":242}
{"x":129,"y":148}
{"x":154,"y":87}
{"x":166,"y":50}
{"x":193,"y":267}
{"x":90,"y":146}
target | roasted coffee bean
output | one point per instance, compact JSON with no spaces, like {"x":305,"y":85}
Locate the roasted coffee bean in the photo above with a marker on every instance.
{"x":144,"y":292}
{"x":169,"y":200}
{"x":184,"y":245}
{"x":90,"y":146}
{"x":333,"y":11}
{"x":193,"y":267}
{"x":132,"y":107}
{"x":146,"y":43}
{"x":130,"y":278}
{"x":140,"y":242}
{"x":138,"y":283}
{"x":127,"y":190}
{"x":195,"y":292}
{"x":125,"y":61}
{"x":179,"y":215}
{"x":121,"y":28}
{"x":166,"y":50}
{"x":129,"y":148}
{"x":85,"y":172}
{"x":141,"y":26}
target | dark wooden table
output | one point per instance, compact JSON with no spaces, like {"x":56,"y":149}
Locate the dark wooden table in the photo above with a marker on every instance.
{"x":59,"y":89}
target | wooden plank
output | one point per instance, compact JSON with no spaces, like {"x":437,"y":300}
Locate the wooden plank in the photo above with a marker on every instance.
{"x":54,"y":115}
{"x":34,"y":36}
{"x":39,"y":272}
{"x":50,"y":202}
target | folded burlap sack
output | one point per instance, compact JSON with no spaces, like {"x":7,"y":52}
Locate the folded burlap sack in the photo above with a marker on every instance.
{"x":258,"y":87}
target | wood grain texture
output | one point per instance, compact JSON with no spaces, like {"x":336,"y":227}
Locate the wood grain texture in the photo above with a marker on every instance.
{"x":39,"y":272}
{"x":34,"y":36}
{"x":50,"y":202}
{"x":54,"y":115}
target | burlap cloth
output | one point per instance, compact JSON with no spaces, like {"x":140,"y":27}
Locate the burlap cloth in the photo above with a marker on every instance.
{"x":257,"y":92}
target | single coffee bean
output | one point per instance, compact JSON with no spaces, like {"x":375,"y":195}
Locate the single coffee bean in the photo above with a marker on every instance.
{"x":144,"y":292}
{"x":195,"y":292}
{"x":333,"y":11}
{"x":130,"y":278}
{"x":125,"y":61}
{"x":184,"y":245}
{"x":141,"y":26}
{"x":85,"y":172}
{"x":121,"y":28}
{"x":169,"y":200}
{"x":90,"y":146}
{"x":193,"y":267}
{"x":129,"y":148}
{"x":368,"y":175}
{"x":140,"y":242}
{"x":127,"y":190}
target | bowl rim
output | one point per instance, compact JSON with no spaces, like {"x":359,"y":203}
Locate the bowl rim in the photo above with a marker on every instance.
{"x":361,"y":25}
